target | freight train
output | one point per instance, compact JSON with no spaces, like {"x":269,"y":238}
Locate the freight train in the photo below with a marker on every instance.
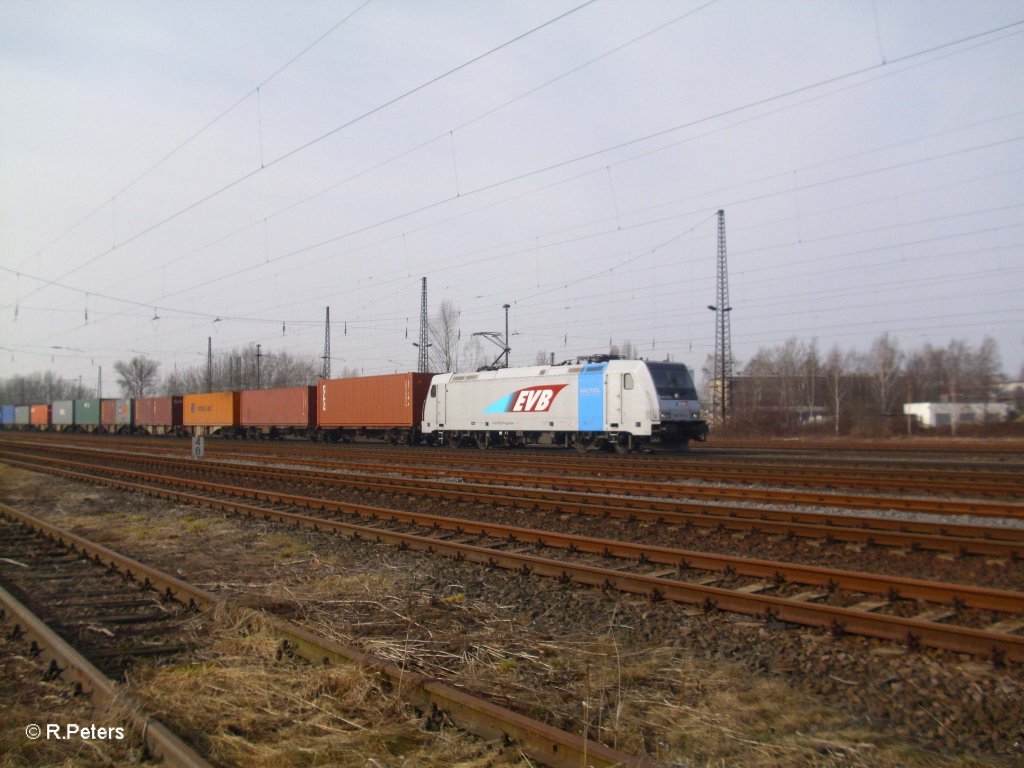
{"x":601,"y":402}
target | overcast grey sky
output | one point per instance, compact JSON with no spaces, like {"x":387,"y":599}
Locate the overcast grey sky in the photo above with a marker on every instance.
{"x":171,"y":171}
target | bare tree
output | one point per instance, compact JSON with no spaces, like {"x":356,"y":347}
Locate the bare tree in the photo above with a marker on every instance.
{"x":237,"y":370}
{"x":444,"y":338}
{"x":137,"y":377}
{"x":886,"y":363}
{"x":835,"y":370}
{"x":627,"y":350}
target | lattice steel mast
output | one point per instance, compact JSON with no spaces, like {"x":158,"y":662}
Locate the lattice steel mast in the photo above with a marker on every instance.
{"x":327,"y":344}
{"x":722,"y":383}
{"x":423,"y":364}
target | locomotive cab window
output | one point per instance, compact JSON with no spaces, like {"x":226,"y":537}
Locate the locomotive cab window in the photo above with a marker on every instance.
{"x":433,"y":390}
{"x":672,"y":380}
{"x":627,"y":381}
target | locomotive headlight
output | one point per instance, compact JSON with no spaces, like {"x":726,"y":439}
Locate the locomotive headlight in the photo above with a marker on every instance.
{"x":665,"y":415}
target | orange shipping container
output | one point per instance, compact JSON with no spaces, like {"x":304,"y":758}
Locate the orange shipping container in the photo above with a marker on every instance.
{"x":214,"y":409}
{"x":158,"y":412}
{"x":39,"y":415}
{"x":281,"y":407}
{"x":393,"y":400}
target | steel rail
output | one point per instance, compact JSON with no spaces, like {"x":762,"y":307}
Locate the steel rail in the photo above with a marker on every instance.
{"x":930,"y":481}
{"x":591,"y":482}
{"x":551,"y":746}
{"x":893,"y":586}
{"x":75,"y":668}
{"x":669,"y":505}
{"x":913,"y":631}
{"x":1001,"y":483}
{"x":864,"y":530}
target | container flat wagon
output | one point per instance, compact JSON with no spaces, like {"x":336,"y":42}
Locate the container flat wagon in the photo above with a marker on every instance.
{"x":39,"y":416}
{"x":116,"y":415}
{"x":389,"y":407}
{"x":277,"y":412}
{"x":62,"y":415}
{"x":158,"y":415}
{"x":211,"y":413}
{"x":87,"y":415}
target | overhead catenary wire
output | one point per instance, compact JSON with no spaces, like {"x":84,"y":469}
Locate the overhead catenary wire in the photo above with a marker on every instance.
{"x":449,"y":199}
{"x":537,"y":245}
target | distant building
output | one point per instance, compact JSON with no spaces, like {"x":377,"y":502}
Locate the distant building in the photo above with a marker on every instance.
{"x":945,"y":414}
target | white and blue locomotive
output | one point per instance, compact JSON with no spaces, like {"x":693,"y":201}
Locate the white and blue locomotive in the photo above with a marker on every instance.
{"x":609,"y":403}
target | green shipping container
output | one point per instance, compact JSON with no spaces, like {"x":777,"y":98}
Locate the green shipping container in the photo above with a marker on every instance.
{"x":87,"y":412}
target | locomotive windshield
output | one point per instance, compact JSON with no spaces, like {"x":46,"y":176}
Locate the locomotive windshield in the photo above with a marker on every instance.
{"x":672,"y":380}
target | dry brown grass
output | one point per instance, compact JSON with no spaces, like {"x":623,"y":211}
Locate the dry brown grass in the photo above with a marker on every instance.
{"x":246,"y":706}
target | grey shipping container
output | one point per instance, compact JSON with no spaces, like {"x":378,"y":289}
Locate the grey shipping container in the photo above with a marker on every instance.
{"x":63,"y":413}
{"x":23,"y":415}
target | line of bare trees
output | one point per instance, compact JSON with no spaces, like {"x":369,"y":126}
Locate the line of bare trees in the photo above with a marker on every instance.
{"x":855,"y":392}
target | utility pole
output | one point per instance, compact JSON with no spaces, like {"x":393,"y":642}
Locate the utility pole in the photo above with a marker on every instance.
{"x":258,"y":357}
{"x":423,"y":362}
{"x":209,"y":364}
{"x":327,"y":344}
{"x":722,"y":383}
{"x":99,"y":383}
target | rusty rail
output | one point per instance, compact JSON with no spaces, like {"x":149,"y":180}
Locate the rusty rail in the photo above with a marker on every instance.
{"x":914,"y":631}
{"x":546,"y":744}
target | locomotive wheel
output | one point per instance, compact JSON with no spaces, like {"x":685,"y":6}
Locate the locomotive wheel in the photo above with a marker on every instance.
{"x":583,"y":442}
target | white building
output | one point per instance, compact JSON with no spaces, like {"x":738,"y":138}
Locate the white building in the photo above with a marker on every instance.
{"x":944,"y":414}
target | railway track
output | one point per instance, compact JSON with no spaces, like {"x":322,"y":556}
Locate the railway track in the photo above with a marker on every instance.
{"x":90,"y":624}
{"x":771,"y":597}
{"x":914,"y":534}
{"x":107,"y":591}
{"x":895,"y":475}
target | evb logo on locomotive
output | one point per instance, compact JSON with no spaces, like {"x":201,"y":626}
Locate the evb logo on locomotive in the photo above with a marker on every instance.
{"x":527,"y":400}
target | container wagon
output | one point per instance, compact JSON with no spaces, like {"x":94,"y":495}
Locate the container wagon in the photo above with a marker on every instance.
{"x":22,"y":416}
{"x":87,"y":415}
{"x":158,"y":415}
{"x":39,"y":416}
{"x":211,"y":413}
{"x":62,"y":415}
{"x":7,"y":416}
{"x":277,"y":412}
{"x":388,"y":407}
{"x":116,"y":416}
